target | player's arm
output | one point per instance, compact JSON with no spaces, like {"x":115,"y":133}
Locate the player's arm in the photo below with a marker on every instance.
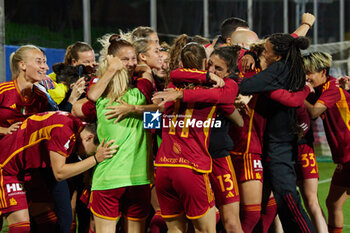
{"x":223,"y":95}
{"x":63,"y":171}
{"x":306,"y":24}
{"x":236,"y":118}
{"x":84,"y":109}
{"x":124,"y":109}
{"x":315,"y":110}
{"x":195,"y":76}
{"x":96,"y":90}
{"x":264,"y":81}
{"x":289,"y":99}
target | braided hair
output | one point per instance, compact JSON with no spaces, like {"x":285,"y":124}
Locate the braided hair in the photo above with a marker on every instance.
{"x":288,"y":48}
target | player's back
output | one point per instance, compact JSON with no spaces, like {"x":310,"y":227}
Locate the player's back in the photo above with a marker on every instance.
{"x":29,"y":146}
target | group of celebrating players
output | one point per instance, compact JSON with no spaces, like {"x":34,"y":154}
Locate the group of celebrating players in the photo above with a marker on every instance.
{"x":236,"y":142}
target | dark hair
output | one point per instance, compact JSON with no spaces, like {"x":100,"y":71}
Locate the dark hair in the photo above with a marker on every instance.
{"x":200,"y":40}
{"x":229,"y":25}
{"x":92,"y":128}
{"x":229,"y":54}
{"x":288,"y":48}
{"x":69,"y":74}
{"x":117,"y":43}
{"x":175,"y":50}
{"x":192,"y":56}
{"x":73,"y":50}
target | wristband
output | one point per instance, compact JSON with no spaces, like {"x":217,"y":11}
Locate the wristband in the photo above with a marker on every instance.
{"x":96,"y":160}
{"x":307,"y":25}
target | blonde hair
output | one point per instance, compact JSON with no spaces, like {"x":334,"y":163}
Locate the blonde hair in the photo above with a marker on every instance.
{"x":121,"y":80}
{"x":118,"y":86}
{"x":21,"y":54}
{"x":317,"y":61}
{"x":142,"y":45}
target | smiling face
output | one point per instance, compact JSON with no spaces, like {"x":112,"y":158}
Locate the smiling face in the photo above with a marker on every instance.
{"x":34,"y":65}
{"x":316,"y":78}
{"x":164,"y":68}
{"x":269,"y":53}
{"x":128,"y":57}
{"x":152,"y":56}
{"x":218,"y":66}
{"x":86,"y":58}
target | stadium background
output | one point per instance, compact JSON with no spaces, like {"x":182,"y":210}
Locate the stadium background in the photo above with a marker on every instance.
{"x":55,"y":24}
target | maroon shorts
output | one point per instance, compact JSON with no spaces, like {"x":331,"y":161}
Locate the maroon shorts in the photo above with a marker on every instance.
{"x":223,"y":181}
{"x":248,"y":166}
{"x":132,"y":201}
{"x":12,"y":195}
{"x":306,"y":166}
{"x":341,"y":175}
{"x":183,"y":190}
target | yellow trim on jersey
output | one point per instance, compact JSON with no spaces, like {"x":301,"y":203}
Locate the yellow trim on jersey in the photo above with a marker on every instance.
{"x":2,"y":197}
{"x":198,"y":216}
{"x":102,"y":216}
{"x":188,"y":116}
{"x":171,"y":216}
{"x":206,"y":129}
{"x":233,"y":174}
{"x":135,"y":219}
{"x":248,"y":166}
{"x":343,"y":108}
{"x":210,"y":193}
{"x":193,"y":71}
{"x":7,"y":89}
{"x":172,"y":129}
{"x":251,"y":115}
{"x":35,"y":138}
{"x":182,"y":165}
{"x":6,"y":85}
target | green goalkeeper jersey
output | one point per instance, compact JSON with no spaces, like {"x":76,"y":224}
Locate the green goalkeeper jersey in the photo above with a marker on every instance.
{"x":132,"y":164}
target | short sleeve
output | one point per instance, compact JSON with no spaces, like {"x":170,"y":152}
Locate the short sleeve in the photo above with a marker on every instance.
{"x":62,"y":141}
{"x":330,"y":94}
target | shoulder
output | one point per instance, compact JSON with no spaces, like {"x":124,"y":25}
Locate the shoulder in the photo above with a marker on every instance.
{"x":7,"y":86}
{"x":330,"y":85}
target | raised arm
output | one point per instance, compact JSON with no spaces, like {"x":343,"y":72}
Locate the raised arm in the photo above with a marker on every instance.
{"x":114,"y":64}
{"x":306,"y":24}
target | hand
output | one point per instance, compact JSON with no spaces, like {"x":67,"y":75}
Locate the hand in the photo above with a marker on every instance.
{"x":120,"y":111}
{"x":78,"y":88}
{"x":168,"y":95}
{"x":114,"y":63}
{"x":248,"y":63}
{"x":308,"y":18}
{"x":343,"y":82}
{"x":241,"y":103}
{"x":105,"y":151}
{"x":142,"y":68}
{"x":312,"y":90}
{"x":219,"y":82}
{"x":13,"y":128}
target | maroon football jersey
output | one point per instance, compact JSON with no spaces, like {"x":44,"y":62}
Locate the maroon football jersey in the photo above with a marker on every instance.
{"x":39,"y":134}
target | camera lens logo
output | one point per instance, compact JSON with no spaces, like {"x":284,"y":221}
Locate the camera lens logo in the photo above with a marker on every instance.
{"x":151,"y":120}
